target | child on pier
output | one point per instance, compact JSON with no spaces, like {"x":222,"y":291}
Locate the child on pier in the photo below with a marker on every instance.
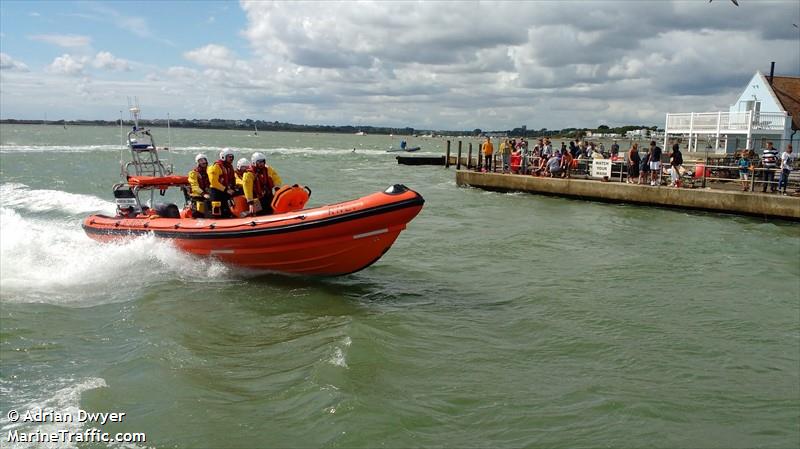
{"x":744,"y":170}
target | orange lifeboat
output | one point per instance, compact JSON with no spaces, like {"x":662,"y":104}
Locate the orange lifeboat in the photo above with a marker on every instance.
{"x":330,"y":240}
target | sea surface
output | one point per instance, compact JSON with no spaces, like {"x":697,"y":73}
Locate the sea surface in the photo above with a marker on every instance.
{"x":496,"y":320}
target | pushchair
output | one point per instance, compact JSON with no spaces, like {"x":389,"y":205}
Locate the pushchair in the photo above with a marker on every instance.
{"x":690,"y":178}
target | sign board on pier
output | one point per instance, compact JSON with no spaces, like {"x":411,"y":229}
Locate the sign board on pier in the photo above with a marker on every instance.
{"x":601,"y":168}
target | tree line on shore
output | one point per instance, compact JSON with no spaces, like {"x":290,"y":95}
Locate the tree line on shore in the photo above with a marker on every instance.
{"x":262,"y":125}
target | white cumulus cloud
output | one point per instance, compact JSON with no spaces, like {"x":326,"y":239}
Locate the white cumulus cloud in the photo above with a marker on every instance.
{"x":10,"y":64}
{"x":67,"y":65}
{"x":211,"y":55}
{"x":105,"y":60}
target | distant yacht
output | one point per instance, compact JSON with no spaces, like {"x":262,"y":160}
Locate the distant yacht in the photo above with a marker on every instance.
{"x":255,"y":133}
{"x":361,"y":133}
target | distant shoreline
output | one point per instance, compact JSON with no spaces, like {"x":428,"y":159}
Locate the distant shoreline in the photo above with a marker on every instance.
{"x":250,"y":125}
{"x":222,"y":125}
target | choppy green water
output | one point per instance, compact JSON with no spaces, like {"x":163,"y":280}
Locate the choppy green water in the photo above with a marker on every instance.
{"x":496,"y":320}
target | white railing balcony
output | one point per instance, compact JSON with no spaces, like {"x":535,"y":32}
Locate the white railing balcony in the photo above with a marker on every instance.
{"x":726,"y":122}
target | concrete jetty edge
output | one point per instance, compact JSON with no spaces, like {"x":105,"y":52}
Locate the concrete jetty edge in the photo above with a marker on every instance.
{"x":742,"y":203}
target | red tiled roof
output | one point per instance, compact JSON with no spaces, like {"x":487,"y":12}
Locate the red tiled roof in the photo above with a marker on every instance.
{"x":787,"y":89}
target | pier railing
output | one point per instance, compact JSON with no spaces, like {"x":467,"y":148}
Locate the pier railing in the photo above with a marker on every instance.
{"x":694,"y":174}
{"x":725,"y":122}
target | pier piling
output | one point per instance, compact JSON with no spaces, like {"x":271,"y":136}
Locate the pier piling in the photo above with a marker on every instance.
{"x":458,"y":161}
{"x":447,"y":156}
{"x":469,"y":157}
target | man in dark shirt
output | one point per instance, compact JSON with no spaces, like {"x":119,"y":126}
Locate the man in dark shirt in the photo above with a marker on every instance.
{"x":769,"y":161}
{"x":676,"y":160}
{"x":655,"y":164}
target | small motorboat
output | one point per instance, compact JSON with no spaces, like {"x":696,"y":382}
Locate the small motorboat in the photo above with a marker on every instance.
{"x":407,"y":150}
{"x":329,"y":240}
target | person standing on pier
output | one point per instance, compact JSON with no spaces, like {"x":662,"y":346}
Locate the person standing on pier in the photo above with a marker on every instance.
{"x":505,"y":153}
{"x":547,"y":149}
{"x":566,"y":163}
{"x":644,"y":167}
{"x":787,"y":161}
{"x":633,"y":164}
{"x":614,"y":150}
{"x":488,"y":149}
{"x":675,"y":160}
{"x":523,"y":145}
{"x":655,"y":164}
{"x":769,"y":161}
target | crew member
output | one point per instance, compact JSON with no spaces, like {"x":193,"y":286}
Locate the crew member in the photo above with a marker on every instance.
{"x":241,"y":167}
{"x":198,"y":181}
{"x":260,"y":182}
{"x":222,"y":178}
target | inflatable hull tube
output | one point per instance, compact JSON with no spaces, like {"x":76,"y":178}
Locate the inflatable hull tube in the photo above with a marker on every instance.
{"x":159,"y":181}
{"x":330,"y":240}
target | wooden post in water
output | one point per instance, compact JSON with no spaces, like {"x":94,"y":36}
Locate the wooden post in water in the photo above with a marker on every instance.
{"x":458,"y":161}
{"x":469,"y":157}
{"x":447,"y":156}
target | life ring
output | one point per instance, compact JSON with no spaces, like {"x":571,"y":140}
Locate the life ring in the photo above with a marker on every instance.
{"x":290,"y":198}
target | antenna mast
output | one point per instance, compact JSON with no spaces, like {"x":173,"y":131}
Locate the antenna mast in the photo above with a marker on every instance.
{"x":134,"y":110}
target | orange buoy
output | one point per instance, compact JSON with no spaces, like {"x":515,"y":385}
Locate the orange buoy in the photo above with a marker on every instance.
{"x":290,"y":198}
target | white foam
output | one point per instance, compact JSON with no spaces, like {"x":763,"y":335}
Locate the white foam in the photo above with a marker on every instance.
{"x":64,"y":399}
{"x":338,"y":358}
{"x":21,"y":197}
{"x":54,"y":262}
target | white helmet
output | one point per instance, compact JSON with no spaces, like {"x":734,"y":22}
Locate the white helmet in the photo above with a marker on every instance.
{"x":225,"y":153}
{"x":200,"y":156}
{"x":242,"y":163}
{"x":258,"y":157}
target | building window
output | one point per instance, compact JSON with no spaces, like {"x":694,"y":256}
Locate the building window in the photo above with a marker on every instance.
{"x":752,"y":105}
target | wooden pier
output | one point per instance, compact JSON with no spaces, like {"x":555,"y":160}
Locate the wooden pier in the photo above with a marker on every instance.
{"x":732,"y":202}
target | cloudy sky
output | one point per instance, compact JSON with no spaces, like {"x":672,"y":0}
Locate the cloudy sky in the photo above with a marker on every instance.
{"x":439,"y":65}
